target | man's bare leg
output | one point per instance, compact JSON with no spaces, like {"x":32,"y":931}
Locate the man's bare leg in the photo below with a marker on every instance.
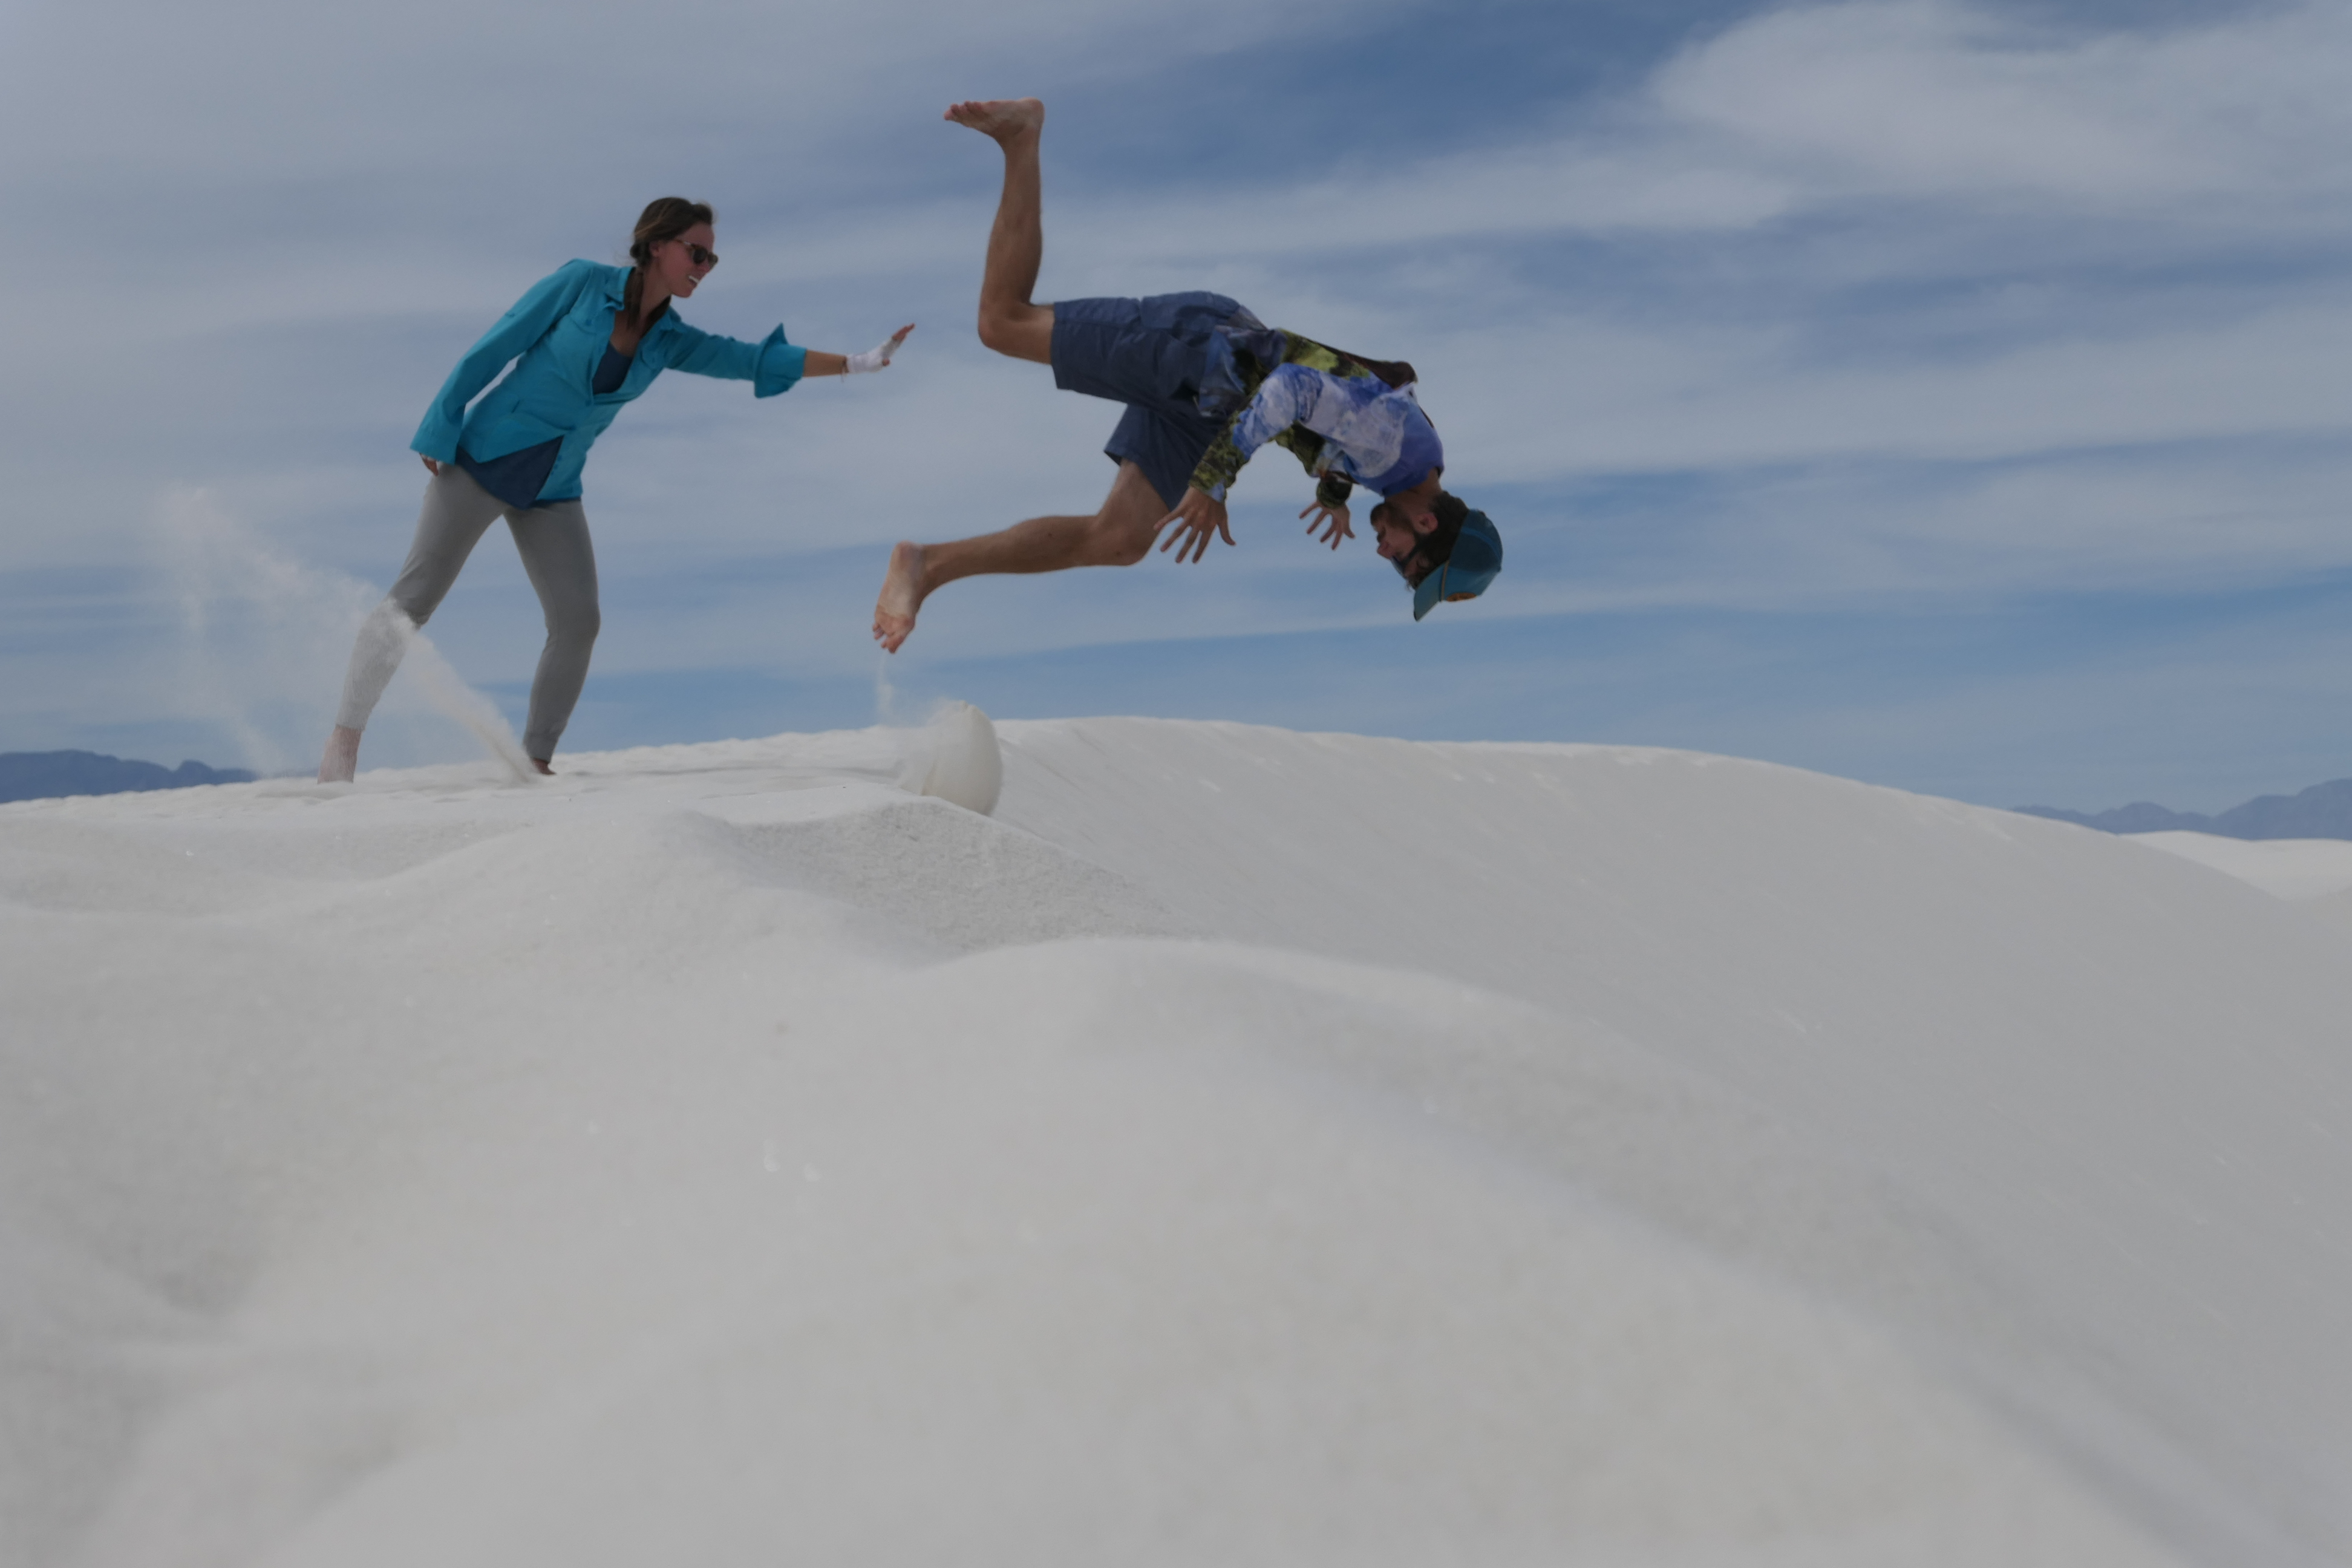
{"x":1120,"y":534}
{"x":1012,"y":324}
{"x":1009,"y":322}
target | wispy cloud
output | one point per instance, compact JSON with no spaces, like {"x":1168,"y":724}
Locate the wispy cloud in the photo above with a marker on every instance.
{"x":1930,"y":99}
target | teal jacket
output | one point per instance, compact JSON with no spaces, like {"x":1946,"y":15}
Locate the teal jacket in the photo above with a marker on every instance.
{"x":559,"y":332}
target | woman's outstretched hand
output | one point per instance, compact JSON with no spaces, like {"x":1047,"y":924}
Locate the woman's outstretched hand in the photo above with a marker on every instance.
{"x":877,"y":357}
{"x":431,"y":467}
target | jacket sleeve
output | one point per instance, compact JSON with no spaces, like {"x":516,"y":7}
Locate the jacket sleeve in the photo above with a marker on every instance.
{"x":1332,"y":490}
{"x":772,"y":365}
{"x":1283,"y":399}
{"x":516,"y":330}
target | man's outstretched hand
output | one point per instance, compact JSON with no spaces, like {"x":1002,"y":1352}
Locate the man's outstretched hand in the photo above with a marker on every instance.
{"x":1200,"y":516}
{"x":1332,"y":520}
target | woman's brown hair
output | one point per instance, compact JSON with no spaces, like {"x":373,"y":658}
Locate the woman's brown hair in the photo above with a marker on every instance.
{"x":664,"y":217}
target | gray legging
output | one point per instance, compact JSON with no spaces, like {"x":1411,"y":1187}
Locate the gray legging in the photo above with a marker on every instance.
{"x":552,"y":540}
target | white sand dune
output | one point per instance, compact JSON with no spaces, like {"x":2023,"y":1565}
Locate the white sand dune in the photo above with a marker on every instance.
{"x":2297,"y":868}
{"x":1246,"y":1147}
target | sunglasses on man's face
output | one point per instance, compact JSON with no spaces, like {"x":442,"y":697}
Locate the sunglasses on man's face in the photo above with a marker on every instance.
{"x":699,"y":255}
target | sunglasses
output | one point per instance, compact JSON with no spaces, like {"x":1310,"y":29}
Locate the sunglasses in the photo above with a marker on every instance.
{"x":699,"y":255}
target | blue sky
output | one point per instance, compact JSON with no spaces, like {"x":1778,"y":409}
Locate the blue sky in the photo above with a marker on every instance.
{"x":1949,"y":395}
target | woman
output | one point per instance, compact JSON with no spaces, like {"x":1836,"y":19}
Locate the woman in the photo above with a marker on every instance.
{"x":585,"y":341}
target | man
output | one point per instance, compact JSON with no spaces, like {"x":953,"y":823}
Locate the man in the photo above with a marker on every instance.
{"x":1206,"y":385}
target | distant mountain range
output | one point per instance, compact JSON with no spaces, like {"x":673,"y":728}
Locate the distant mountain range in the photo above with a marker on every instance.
{"x":38,"y":775}
{"x":2323,"y":811}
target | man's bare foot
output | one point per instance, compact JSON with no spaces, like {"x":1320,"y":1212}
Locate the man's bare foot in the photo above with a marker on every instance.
{"x":541,"y":763}
{"x":902,"y":595}
{"x":1004,"y":118}
{"x":343,"y":758}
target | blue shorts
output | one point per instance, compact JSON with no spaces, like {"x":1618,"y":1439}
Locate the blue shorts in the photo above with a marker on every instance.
{"x":1148,"y":354}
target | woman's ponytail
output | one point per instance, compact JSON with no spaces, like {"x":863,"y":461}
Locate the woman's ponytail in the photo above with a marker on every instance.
{"x":666,"y":218}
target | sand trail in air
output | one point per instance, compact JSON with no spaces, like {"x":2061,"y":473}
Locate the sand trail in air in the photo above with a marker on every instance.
{"x":268,"y":637}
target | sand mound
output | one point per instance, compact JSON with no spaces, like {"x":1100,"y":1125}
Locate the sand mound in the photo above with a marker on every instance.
{"x":1246,"y":1146}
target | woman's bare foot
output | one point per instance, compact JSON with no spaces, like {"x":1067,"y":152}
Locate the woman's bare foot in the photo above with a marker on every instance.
{"x":1001,"y":118}
{"x":541,"y":763}
{"x":902,"y":597}
{"x":343,"y":758}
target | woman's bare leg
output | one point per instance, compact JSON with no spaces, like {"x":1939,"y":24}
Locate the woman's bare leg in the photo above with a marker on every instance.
{"x":1120,"y":534}
{"x":1009,"y":322}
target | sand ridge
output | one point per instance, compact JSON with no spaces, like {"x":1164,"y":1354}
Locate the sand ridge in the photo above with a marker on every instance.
{"x":1245,"y":1144}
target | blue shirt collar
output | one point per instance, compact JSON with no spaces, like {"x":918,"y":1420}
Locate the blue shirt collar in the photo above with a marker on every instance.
{"x":617,"y":294}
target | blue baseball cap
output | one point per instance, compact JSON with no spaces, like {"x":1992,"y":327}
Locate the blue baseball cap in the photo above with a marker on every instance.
{"x":1477,"y":556}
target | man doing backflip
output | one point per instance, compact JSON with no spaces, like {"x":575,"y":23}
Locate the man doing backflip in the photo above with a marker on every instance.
{"x":1205,"y":383}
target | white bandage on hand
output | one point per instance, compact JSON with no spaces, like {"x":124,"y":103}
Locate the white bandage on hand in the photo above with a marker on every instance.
{"x":872,"y":359}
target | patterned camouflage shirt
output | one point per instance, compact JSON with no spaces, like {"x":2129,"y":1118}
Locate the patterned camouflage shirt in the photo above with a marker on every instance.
{"x":1241,"y":358}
